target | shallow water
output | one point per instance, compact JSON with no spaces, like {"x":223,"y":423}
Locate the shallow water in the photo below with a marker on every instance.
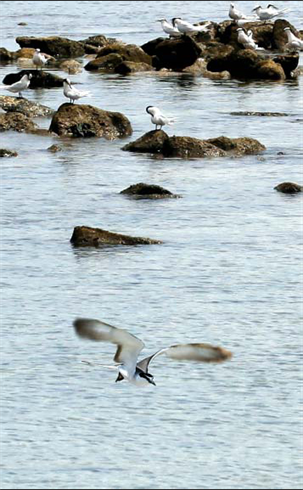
{"x":229,"y":272}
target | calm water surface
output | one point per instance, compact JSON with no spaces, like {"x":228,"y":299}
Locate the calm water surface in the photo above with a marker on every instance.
{"x":229,"y":272}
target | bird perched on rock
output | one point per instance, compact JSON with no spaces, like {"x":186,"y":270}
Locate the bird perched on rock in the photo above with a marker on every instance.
{"x":269,"y":12}
{"x":246,"y":39}
{"x":234,"y":13}
{"x":157,"y":118}
{"x":71,"y":92}
{"x":39,"y":59}
{"x":169,"y":28}
{"x":18,"y":87}
{"x":188,"y":28}
{"x":294,"y":43}
{"x":129,"y":348}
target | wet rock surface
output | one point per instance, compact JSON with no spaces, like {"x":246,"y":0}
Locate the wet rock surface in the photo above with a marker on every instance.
{"x":7,"y":153}
{"x":87,"y":121}
{"x":16,"y":121}
{"x":85,"y":236}
{"x":289,"y":188}
{"x":55,"y":45}
{"x":151,"y":142}
{"x":112,"y":55}
{"x":25,"y":106}
{"x":148,"y":191}
{"x":40,"y":79}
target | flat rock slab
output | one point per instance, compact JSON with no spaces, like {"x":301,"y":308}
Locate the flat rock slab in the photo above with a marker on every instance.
{"x":289,"y":188}
{"x":187,"y":147}
{"x":85,"y":236}
{"x":87,"y":121}
{"x":148,"y":191}
{"x":53,"y":45}
{"x":27,"y":107}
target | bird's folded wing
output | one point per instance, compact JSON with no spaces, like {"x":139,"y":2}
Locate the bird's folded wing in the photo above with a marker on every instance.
{"x":129,"y":346}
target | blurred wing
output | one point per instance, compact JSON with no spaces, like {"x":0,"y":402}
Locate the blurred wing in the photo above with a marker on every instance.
{"x":190,"y":352}
{"x":129,"y":346}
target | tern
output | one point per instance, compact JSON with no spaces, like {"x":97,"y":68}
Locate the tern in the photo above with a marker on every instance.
{"x":71,"y":92}
{"x":129,"y":348}
{"x":294,"y":43}
{"x":158,"y":118}
{"x":18,"y":87}
{"x":169,"y":28}
{"x":235,"y":13}
{"x":187,"y":28}
{"x":269,"y":12}
{"x":246,"y":38}
{"x":39,"y":59}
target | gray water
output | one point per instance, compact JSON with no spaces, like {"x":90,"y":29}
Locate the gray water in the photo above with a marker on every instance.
{"x":229,"y":272}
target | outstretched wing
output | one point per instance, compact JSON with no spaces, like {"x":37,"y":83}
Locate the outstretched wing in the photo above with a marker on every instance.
{"x":190,"y":352}
{"x":129,"y":346}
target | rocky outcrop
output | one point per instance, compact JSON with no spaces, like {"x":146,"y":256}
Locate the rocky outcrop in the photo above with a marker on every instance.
{"x":59,"y":47}
{"x":71,"y":66}
{"x":289,"y":188}
{"x":6,"y":56}
{"x":88,"y":121}
{"x":175,"y":54}
{"x":40,"y":79}
{"x":26,"y":107}
{"x":187,"y":147}
{"x":109,"y":57}
{"x":84,"y":236}
{"x":148,"y":191}
{"x":7,"y":153}
{"x":289,"y":63}
{"x":279,"y":35}
{"x":127,"y":67}
{"x":17,"y":122}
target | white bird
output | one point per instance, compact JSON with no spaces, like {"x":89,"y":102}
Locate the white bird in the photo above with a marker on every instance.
{"x":169,"y":28}
{"x":247,"y":40}
{"x":71,"y":92}
{"x":39,"y":59}
{"x":235,"y":13}
{"x":18,"y":87}
{"x":158,"y":118}
{"x":269,"y":12}
{"x":187,"y":28}
{"x":294,"y":42}
{"x":129,"y":348}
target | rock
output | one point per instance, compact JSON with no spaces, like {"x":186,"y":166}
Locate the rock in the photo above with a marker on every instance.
{"x":269,"y":70}
{"x":261,"y":30}
{"x":6,"y":56}
{"x":150,"y":47}
{"x":24,"y":53}
{"x":71,"y":67}
{"x":16,"y":122}
{"x":289,"y":188}
{"x":54,"y":45}
{"x":40,"y":79}
{"x":151,"y":142}
{"x":127,"y":67}
{"x":84,"y":236}
{"x":288,"y":62}
{"x":259,"y":114}
{"x":7,"y":153}
{"x":148,"y":191}
{"x":98,"y":42}
{"x":280,"y":36}
{"x":25,"y":106}
{"x":187,"y":147}
{"x":54,"y":148}
{"x":176,"y":53}
{"x":109,"y":57}
{"x":86,"y":121}
{"x":22,"y":23}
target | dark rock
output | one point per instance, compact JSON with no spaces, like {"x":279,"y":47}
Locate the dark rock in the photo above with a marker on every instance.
{"x":97,"y":41}
{"x":127,"y":67}
{"x":279,"y":35}
{"x":289,"y":188}
{"x":150,"y":46}
{"x":54,"y":148}
{"x":84,"y":236}
{"x":262,"y":34}
{"x":25,"y":106}
{"x":187,"y":147}
{"x":7,"y":153}
{"x":148,"y":191}
{"x":151,"y":142}
{"x":259,"y":114}
{"x":176,"y":53}
{"x":288,"y":62}
{"x":87,"y":121}
{"x":16,"y":121}
{"x":22,"y":23}
{"x":106,"y":63}
{"x":6,"y":56}
{"x":40,"y":79}
{"x":110,"y":56}
{"x":54,"y":45}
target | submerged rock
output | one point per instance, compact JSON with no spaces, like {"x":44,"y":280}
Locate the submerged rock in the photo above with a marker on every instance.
{"x":148,"y":191}
{"x":7,"y":153}
{"x":87,"y":121}
{"x":54,"y":148}
{"x":25,"y":106}
{"x":53,"y":45}
{"x":40,"y":79}
{"x":188,"y":147}
{"x":85,"y":236}
{"x":289,"y":188}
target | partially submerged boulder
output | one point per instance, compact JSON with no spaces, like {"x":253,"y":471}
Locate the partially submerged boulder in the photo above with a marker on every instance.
{"x":40,"y":79}
{"x":112,"y":55}
{"x":289,"y":188}
{"x":127,"y":67}
{"x":7,"y":153}
{"x":187,"y":147}
{"x":25,"y":106}
{"x":87,"y":121}
{"x":175,"y":53}
{"x":54,"y":45}
{"x":85,"y":236}
{"x":16,"y":121}
{"x":148,"y":191}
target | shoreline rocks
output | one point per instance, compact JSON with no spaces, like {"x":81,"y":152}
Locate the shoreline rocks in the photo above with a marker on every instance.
{"x":85,"y":236}
{"x":40,"y":79}
{"x":187,"y":147}
{"x":88,"y":121}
